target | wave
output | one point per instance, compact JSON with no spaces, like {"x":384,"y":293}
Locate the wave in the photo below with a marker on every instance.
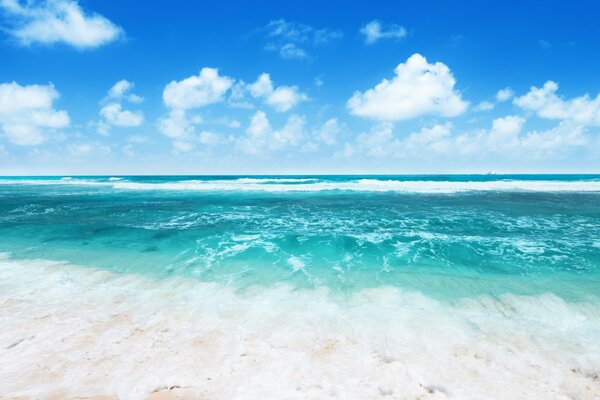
{"x":280,"y":185}
{"x":276,"y":180}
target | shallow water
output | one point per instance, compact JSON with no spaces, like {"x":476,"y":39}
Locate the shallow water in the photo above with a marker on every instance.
{"x":432,"y":286}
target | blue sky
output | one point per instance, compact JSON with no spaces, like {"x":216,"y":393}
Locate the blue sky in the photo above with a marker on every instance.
{"x":112,"y":87}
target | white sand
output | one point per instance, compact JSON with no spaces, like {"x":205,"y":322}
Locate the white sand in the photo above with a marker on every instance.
{"x":75,"y":332}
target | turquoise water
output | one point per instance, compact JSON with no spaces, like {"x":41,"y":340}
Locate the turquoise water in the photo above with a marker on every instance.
{"x":447,"y":236}
{"x":363,"y":287}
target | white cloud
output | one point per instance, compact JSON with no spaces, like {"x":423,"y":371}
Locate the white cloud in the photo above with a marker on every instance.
{"x":300,"y":33}
{"x":121,"y":90}
{"x":433,"y":140}
{"x":208,"y":87}
{"x":290,"y":51}
{"x":504,"y":134}
{"x":505,"y":139}
{"x":374,"y":31}
{"x":237,"y":97}
{"x":378,"y":142}
{"x":501,"y":96}
{"x":115,"y":115}
{"x":188,"y":142}
{"x":282,"y":98}
{"x":504,"y":94}
{"x":484,"y":106}
{"x":178,"y":125}
{"x":547,"y":104}
{"x":209,"y":138}
{"x":182,"y":147}
{"x":261,"y":137}
{"x":58,"y":21}
{"x":556,"y":142}
{"x":27,"y":113}
{"x":419,"y":88}
{"x":328,"y":132}
{"x":289,"y":39}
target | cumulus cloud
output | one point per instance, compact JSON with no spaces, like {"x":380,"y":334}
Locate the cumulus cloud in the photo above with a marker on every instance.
{"x":505,"y":138}
{"x":261,"y":138}
{"x":327,"y":133}
{"x":27,"y":113}
{"x":122,"y":90}
{"x":504,"y":94}
{"x":282,"y":98}
{"x":209,"y":138}
{"x":114,"y":114}
{"x":290,"y":51}
{"x":208,"y":87}
{"x":484,"y":106}
{"x":544,"y":101}
{"x":501,"y":96}
{"x":375,"y":31}
{"x":179,"y":125}
{"x":380,"y":141}
{"x":290,"y":39}
{"x":58,"y":21}
{"x":417,"y":89}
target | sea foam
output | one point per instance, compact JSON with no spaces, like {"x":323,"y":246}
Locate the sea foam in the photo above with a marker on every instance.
{"x":280,"y":185}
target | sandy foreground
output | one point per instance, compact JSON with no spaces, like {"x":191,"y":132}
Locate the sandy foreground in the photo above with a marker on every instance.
{"x":78,"y":333}
{"x":163,"y":394}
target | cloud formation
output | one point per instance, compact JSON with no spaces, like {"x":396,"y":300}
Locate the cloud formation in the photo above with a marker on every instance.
{"x":122,"y":90}
{"x":27,"y":113}
{"x":547,"y":104}
{"x":208,"y":87}
{"x":417,"y":89}
{"x":290,"y":39}
{"x":504,"y":94}
{"x":261,"y":138}
{"x":375,"y":31}
{"x":58,"y":21}
{"x":282,"y":98}
{"x":505,"y":139}
{"x":327,"y":133}
{"x":114,"y":114}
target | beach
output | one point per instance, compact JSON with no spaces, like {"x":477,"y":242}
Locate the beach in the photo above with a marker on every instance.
{"x":162,"y":292}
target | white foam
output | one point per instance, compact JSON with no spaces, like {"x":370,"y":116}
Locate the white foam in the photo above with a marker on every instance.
{"x":275,"y":180}
{"x":72,"y":331}
{"x":296,"y":264}
{"x":277,"y":185}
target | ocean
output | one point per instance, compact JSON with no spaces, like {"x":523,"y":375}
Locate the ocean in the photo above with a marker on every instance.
{"x":450,"y":286}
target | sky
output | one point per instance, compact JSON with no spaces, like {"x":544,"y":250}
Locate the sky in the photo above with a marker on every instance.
{"x":299,"y":87}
